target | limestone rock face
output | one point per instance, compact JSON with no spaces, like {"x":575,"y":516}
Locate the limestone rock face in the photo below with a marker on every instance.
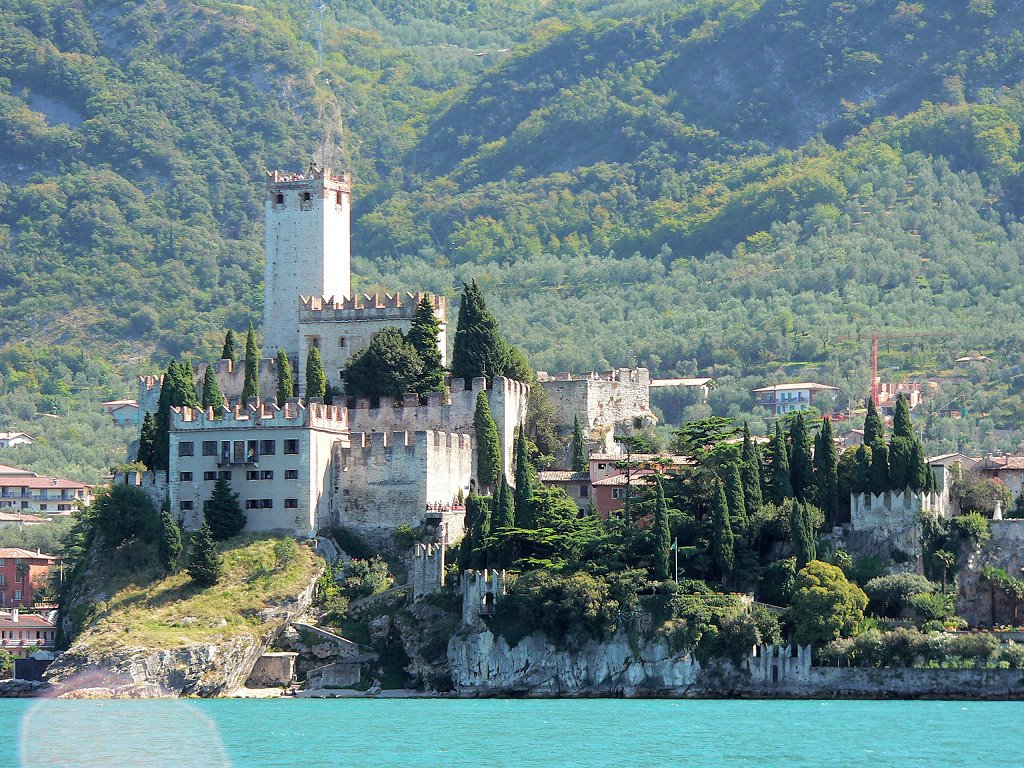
{"x":482,"y":664}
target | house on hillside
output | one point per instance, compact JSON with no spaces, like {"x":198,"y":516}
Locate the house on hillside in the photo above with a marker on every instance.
{"x":1006,"y":468}
{"x":26,"y":634}
{"x":22,"y":574}
{"x":26,"y":492}
{"x":784,"y":398}
{"x":14,"y":439}
{"x":125,"y":413}
{"x":702,"y":385}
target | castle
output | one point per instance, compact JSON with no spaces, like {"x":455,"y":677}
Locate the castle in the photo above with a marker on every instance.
{"x":299,"y":467}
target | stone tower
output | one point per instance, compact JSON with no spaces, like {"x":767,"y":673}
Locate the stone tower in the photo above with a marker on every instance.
{"x":307,"y":226}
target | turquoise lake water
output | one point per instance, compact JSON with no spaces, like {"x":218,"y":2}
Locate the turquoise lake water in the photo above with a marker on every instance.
{"x":454,"y":733}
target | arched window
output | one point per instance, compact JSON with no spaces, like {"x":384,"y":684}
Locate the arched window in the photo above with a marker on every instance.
{"x":341,"y":341}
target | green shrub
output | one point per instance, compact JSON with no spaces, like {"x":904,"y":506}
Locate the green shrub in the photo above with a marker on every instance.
{"x":890,"y":595}
{"x":405,"y":536}
{"x":975,"y":648}
{"x":1013,"y":655}
{"x":972,"y":526}
{"x":352,"y":544}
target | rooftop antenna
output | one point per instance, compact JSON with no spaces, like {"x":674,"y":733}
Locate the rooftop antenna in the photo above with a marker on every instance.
{"x":316,"y":14}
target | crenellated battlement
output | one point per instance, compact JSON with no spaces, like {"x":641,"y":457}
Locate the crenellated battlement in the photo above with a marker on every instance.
{"x":369,"y":443}
{"x":620,"y":375}
{"x":278,"y":179}
{"x":262,"y":415}
{"x":363,"y":307}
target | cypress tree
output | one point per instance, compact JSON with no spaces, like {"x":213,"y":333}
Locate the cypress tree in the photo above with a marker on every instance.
{"x":488,"y":446}
{"x":801,"y":475}
{"x":722,"y":539}
{"x":504,"y":509}
{"x":874,"y":430}
{"x":212,"y":397}
{"x":204,"y":564}
{"x":230,"y":351}
{"x":191,"y":395}
{"x":901,"y":471}
{"x":901,"y":424}
{"x":750,"y":473}
{"x":801,"y":532}
{"x":778,"y":468}
{"x":879,"y":478}
{"x":861,"y":480}
{"x":661,"y":534}
{"x":424,"y":335}
{"x":169,"y":545}
{"x":479,"y":513}
{"x":316,"y":382}
{"x":737,"y":502}
{"x":251,"y":381}
{"x":223,"y":513}
{"x":147,"y":440}
{"x":479,"y":350}
{"x":579,"y":447}
{"x":176,"y":390}
{"x":919,"y":470}
{"x":826,"y":477}
{"x":525,"y":517}
{"x":285,"y":387}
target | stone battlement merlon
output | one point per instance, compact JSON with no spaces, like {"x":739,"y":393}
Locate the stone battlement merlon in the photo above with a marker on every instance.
{"x":367,"y":443}
{"x":367,"y":306}
{"x":621,"y":375}
{"x":261,"y":415}
{"x":341,"y":180}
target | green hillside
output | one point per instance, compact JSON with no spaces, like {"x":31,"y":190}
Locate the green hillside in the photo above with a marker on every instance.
{"x":706,"y":186}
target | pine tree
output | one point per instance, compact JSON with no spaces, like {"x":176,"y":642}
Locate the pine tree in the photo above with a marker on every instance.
{"x":147,"y":440}
{"x":251,"y":380}
{"x":826,"y":478}
{"x":901,"y":424}
{"x":424,"y":335}
{"x":230,"y":351}
{"x":750,"y":473}
{"x":204,"y":564}
{"x":212,"y":398}
{"x":504,"y":510}
{"x":579,"y":447}
{"x":874,"y":430}
{"x":801,"y":474}
{"x":524,"y":485}
{"x":660,"y":533}
{"x":169,"y":545}
{"x":778,"y":468}
{"x":488,"y":446}
{"x":879,"y":478}
{"x":722,"y":539}
{"x":736,"y":500}
{"x":479,"y":350}
{"x":285,"y":387}
{"x":801,"y":532}
{"x":316,"y":382}
{"x":223,"y":513}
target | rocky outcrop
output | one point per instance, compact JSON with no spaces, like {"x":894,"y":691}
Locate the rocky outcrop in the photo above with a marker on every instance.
{"x":485,"y":665}
{"x":197,"y":669}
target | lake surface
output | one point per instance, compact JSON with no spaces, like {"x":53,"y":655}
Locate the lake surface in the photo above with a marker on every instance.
{"x":453,"y":733}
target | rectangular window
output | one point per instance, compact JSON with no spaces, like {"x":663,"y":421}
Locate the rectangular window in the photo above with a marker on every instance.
{"x":267,"y":474}
{"x":226,"y":474}
{"x":291,"y":474}
{"x":63,"y":507}
{"x":291,"y":447}
{"x":252,"y":503}
{"x":209,"y":475}
{"x":266,"y":503}
{"x":616,"y":493}
{"x":584,"y":491}
{"x":252,"y":474}
{"x":184,"y":477}
{"x":268,"y":447}
{"x":209,"y":447}
{"x":238,"y":452}
{"x":43,"y":507}
{"x":185,"y":506}
{"x":252,"y":452}
{"x":291,"y":503}
{"x":186,"y":448}
{"x":341,"y":341}
{"x":17,"y":594}
{"x":18,"y":564}
{"x":600,"y":466}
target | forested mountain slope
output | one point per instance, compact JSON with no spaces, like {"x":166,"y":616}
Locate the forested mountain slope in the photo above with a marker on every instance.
{"x":720,"y":184}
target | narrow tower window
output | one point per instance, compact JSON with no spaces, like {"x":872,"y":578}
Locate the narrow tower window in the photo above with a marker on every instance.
{"x":280,"y":198}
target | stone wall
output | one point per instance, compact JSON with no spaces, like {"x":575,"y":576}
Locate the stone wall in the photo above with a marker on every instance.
{"x":231,"y":377}
{"x":427,"y":568}
{"x":272,"y":670}
{"x":1005,"y":549}
{"x":889,"y":524}
{"x":386,"y":479}
{"x":154,"y":484}
{"x":601,"y":400}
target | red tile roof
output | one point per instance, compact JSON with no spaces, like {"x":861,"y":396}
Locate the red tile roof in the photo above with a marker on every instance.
{"x":558,"y":476}
{"x":24,"y":554}
{"x":37,"y":482}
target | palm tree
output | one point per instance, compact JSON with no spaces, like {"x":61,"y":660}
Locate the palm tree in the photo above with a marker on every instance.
{"x":947,"y":560}
{"x":1015,"y":591}
{"x":994,"y":577}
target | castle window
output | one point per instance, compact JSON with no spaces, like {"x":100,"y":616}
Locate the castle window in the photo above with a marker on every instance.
{"x":291,"y":447}
{"x":186,"y":448}
{"x":306,"y":201}
{"x":291,"y":503}
{"x":280,"y":198}
{"x":291,"y":474}
{"x":252,"y":474}
{"x":339,"y":198}
{"x":252,"y":503}
{"x":209,"y":447}
{"x":184,"y":477}
{"x":209,"y":475}
{"x":266,"y":503}
{"x":226,"y":475}
{"x":185,"y":506}
{"x":341,"y":341}
{"x":268,"y":447}
{"x":267,"y":474}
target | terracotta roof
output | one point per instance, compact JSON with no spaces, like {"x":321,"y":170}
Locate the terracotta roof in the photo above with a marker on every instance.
{"x":14,"y":517}
{"x":38,"y":482}
{"x":692,"y":382}
{"x":639,"y":477}
{"x":798,"y":385}
{"x":25,"y":620}
{"x":559,"y":476}
{"x":1000,"y":463}
{"x":7,"y":470}
{"x":9,"y":435}
{"x":118,"y":403}
{"x":26,"y":554}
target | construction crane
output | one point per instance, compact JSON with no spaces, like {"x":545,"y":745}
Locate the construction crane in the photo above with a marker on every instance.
{"x":875,"y":336}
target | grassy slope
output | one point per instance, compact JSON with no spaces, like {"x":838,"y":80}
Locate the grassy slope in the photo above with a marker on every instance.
{"x":155,"y":611}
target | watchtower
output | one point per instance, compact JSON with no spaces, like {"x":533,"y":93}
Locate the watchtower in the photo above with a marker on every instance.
{"x":307,"y":227}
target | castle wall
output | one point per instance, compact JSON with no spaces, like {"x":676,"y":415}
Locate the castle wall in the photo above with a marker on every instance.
{"x":892,"y":521}
{"x":307,"y":227}
{"x":601,"y":400}
{"x":383,"y":480}
{"x":230,"y":376}
{"x":507,"y":399}
{"x":344,"y":326}
{"x":1004,"y":549}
